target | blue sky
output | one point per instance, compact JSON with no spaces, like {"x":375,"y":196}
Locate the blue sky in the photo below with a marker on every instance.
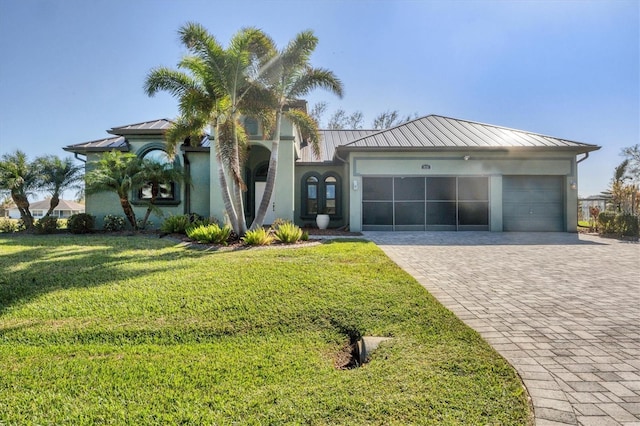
{"x":71,"y":69}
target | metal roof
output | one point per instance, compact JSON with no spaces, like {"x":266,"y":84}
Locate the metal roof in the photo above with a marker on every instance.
{"x":119,"y":142}
{"x":146,"y":127}
{"x":107,"y":144}
{"x":329,"y":141}
{"x":429,"y":133}
{"x":438,"y":132}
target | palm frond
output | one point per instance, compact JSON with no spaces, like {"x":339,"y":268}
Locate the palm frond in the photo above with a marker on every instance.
{"x":308,"y":128}
{"x":314,"y":78}
{"x":165,"y":79}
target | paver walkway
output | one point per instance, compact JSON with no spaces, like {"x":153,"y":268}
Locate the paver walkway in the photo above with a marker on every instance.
{"x":563,"y":309}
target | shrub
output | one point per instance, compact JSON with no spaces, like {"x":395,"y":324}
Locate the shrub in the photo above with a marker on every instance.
{"x":176,"y":224}
{"x":81,"y":223}
{"x":278,"y":222}
{"x":288,"y":233}
{"x":8,"y":225}
{"x":606,"y":222}
{"x":113,"y":223}
{"x":305,"y":236}
{"x":46,"y":225}
{"x":179,"y":224}
{"x":209,"y":233}
{"x":626,"y":225}
{"x":258,"y":237}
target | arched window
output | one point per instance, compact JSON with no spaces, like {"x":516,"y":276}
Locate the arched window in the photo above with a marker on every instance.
{"x":311,"y":185}
{"x":330,"y":192}
{"x":320,"y":195}
{"x":166,"y":192}
{"x":251,"y":126}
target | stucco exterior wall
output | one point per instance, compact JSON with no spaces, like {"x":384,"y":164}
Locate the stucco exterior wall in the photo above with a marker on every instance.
{"x":283,"y":195}
{"x":199,"y":171}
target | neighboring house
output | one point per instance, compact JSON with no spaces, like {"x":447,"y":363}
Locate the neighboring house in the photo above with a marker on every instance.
{"x":38,"y":209}
{"x":432,"y":173}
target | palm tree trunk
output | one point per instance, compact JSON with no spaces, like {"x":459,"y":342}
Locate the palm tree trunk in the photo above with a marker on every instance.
{"x":23,"y":207}
{"x":128,"y":211}
{"x":239,"y":186}
{"x":222,"y":178}
{"x":271,"y":176}
{"x":55,"y":200}
{"x":155,"y":189}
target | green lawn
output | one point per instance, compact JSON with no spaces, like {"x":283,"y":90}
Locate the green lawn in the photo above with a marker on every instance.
{"x":135,"y":330}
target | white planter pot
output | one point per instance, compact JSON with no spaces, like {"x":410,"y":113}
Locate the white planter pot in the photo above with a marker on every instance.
{"x":322,"y":220}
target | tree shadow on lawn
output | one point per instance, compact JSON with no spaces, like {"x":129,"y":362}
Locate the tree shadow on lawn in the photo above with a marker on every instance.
{"x":34,"y":265}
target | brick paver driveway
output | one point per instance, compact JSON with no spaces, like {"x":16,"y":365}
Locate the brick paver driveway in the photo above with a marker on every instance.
{"x":563,"y":309}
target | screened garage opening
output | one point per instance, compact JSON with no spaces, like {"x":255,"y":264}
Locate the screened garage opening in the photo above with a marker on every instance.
{"x":435,"y":203}
{"x":533,"y":203}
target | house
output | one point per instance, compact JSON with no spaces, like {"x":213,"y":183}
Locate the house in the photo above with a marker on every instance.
{"x":431,"y":173}
{"x":38,"y":209}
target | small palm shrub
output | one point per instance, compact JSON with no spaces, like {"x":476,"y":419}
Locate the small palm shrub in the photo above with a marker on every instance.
{"x":258,"y":237}
{"x":209,"y":234}
{"x":179,"y":224}
{"x":46,"y":225}
{"x":81,"y":223}
{"x":305,"y":236}
{"x":113,"y":223}
{"x":176,"y":224}
{"x":288,"y":233}
{"x":8,"y":225}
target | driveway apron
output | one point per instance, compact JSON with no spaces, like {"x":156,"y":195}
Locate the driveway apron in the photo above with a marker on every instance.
{"x":563,"y":309}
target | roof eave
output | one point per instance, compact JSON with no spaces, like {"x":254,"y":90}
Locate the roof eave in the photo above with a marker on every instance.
{"x":81,"y":150}
{"x":577,"y":149}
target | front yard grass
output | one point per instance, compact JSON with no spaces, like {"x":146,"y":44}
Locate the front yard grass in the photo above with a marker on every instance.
{"x":135,"y":330}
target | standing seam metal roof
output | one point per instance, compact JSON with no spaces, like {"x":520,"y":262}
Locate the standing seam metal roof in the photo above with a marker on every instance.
{"x":434,"y":130}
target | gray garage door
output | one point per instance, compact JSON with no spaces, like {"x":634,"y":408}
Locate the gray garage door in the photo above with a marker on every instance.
{"x":411,"y":203}
{"x":533,"y":203}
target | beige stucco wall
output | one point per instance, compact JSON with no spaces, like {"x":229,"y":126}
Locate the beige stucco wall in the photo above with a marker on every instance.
{"x":492,"y":165}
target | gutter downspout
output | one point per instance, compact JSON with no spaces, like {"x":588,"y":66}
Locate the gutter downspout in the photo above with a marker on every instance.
{"x":586,"y":155}
{"x":75,"y":155}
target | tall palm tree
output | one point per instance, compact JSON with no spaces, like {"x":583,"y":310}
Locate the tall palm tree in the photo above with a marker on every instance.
{"x":156,"y":175}
{"x":56,"y":176}
{"x":217,"y":86}
{"x":289,"y":77}
{"x":116,"y":172}
{"x":19,"y":177}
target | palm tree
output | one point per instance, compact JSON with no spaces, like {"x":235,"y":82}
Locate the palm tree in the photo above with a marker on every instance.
{"x":156,"y":175}
{"x":116,"y":172}
{"x":289,"y":76}
{"x":56,"y":176}
{"x":20,"y":178}
{"x":620,"y":192}
{"x":217,"y":87}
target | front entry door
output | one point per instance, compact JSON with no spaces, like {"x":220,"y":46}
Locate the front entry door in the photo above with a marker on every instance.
{"x":270,"y":216}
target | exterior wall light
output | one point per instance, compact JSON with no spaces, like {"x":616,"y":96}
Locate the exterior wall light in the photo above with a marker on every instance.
{"x":466,"y":158}
{"x":573,"y":185}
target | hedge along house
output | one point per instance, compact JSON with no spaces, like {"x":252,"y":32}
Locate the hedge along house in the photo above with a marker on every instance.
{"x":432,"y":173}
